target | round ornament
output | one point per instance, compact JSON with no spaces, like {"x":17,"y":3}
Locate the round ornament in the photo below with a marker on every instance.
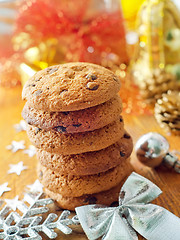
{"x":152,"y":149}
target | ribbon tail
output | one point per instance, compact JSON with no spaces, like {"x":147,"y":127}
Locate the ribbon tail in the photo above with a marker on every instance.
{"x":120,"y":229}
{"x":153,"y":222}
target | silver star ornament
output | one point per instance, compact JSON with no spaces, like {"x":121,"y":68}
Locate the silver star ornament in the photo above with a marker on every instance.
{"x":15,"y":146}
{"x":31,"y":151}
{"x":20,"y":126}
{"x":13,"y":203}
{"x":17,"y":168}
{"x":35,"y":187}
{"x":4,"y":188}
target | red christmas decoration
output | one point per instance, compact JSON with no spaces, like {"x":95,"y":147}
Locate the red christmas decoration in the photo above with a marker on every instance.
{"x":85,"y":36}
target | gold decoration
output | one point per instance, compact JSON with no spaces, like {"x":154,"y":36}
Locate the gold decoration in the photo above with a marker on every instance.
{"x":158,"y":27}
{"x":130,"y":11}
{"x":26,"y":72}
{"x":47,"y":53}
{"x":167,"y":112}
{"x":159,"y":82}
{"x":36,"y":58}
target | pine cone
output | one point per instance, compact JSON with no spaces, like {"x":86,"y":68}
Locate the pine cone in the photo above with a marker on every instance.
{"x":159,"y":82}
{"x":167,"y":111}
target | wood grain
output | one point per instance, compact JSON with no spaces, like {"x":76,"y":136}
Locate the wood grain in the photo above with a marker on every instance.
{"x":10,"y":113}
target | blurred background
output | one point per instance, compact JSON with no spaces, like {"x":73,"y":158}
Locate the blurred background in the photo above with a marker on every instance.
{"x":138,"y":40}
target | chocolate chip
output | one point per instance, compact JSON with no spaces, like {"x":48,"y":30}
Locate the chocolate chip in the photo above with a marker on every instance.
{"x":115,"y":79}
{"x":77,"y":125}
{"x":65,"y":113}
{"x":31,"y":85}
{"x":121,"y":119}
{"x":63,"y":91}
{"x":122,"y":154}
{"x":91,"y":76}
{"x":37,"y":130}
{"x":38,"y":79}
{"x":92,"y":86}
{"x":38,"y":92}
{"x":47,"y":88}
{"x":126,"y":136}
{"x":52,"y":70}
{"x":90,"y":200}
{"x":60,"y":129}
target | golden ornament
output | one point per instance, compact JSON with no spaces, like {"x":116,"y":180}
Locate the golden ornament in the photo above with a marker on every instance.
{"x":158,"y":28}
{"x":38,"y":57}
{"x":130,"y":11}
{"x":167,"y":112}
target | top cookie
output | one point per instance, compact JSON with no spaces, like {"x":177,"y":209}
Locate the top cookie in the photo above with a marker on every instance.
{"x":70,"y":87}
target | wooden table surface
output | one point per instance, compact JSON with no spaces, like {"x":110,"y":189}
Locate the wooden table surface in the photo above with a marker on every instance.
{"x":10,"y":113}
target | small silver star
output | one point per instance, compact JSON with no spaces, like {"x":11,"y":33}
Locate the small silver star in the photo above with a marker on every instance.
{"x":36,"y":187}
{"x":13,"y":203}
{"x":17,"y":168}
{"x":15,"y":146}
{"x":31,"y":151}
{"x":4,"y":188}
{"x":20,"y":126}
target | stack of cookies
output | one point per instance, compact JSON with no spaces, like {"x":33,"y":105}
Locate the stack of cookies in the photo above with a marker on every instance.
{"x":73,"y":118}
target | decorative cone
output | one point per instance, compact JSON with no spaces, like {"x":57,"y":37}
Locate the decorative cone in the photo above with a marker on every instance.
{"x":167,"y":112}
{"x":159,"y":82}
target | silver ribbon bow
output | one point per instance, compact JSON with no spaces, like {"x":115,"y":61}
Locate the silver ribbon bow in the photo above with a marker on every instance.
{"x":133,"y":213}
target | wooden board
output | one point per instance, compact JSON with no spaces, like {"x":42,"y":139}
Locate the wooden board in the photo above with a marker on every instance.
{"x":10,"y":113}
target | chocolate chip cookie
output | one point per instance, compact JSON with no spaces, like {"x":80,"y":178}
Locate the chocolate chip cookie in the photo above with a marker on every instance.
{"x":90,"y":162}
{"x":108,"y":198}
{"x":70,"y":87}
{"x":56,"y":142}
{"x":84,"y":120}
{"x":76,"y":186}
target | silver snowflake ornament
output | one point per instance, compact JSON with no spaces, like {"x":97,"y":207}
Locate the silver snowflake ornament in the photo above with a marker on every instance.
{"x":28,"y":225}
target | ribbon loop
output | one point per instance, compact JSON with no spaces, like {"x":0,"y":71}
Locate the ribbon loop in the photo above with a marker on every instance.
{"x":151,"y":221}
{"x":138,"y":189}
